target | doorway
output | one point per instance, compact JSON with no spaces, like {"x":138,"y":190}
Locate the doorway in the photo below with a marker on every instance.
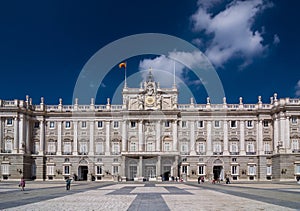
{"x":218,"y":172}
{"x":150,"y":172}
{"x":83,"y":173}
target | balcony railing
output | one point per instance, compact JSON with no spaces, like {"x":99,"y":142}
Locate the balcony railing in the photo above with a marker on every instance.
{"x":50,"y":153}
{"x":268,"y":152}
{"x":201,"y":153}
{"x":296,"y":151}
{"x":67,"y":153}
{"x":250,"y":153}
{"x":234,"y":153}
{"x":6,"y":151}
{"x":82,"y":153}
{"x":217,"y":153}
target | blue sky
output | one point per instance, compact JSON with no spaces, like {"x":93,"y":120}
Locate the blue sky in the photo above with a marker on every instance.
{"x":253,"y":45}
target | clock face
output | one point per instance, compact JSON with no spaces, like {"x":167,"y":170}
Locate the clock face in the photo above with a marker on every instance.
{"x":150,"y":100}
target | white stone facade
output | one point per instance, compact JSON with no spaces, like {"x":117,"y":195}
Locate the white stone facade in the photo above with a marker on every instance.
{"x":150,"y":137}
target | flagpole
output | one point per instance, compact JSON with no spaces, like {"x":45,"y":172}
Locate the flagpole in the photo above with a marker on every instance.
{"x":125,"y":83}
{"x":174,"y":75}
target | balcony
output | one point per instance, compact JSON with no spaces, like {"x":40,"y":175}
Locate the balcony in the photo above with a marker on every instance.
{"x":116,"y":153}
{"x":184,"y":153}
{"x":82,"y":153}
{"x":201,"y":153}
{"x":50,"y":153}
{"x":296,"y":151}
{"x":67,"y":153}
{"x":268,"y":152}
{"x":234,"y":153}
{"x":250,"y":153}
{"x":6,"y":151}
{"x":217,"y":153}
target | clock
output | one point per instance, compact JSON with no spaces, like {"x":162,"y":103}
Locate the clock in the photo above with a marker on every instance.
{"x":150,"y":100}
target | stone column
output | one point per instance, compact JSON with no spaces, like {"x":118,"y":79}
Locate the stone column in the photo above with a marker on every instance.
{"x":192,"y":137}
{"x":107,"y":141}
{"x":174,"y":133}
{"x":225,"y":138}
{"x":16,"y":135}
{"x":21,"y":134}
{"x":208,"y":133}
{"x":242,"y":137}
{"x":260,"y":149}
{"x":59,"y":136}
{"x":75,"y":142}
{"x":287,"y":134}
{"x":158,"y":135}
{"x":276,"y":137}
{"x":158,"y":167}
{"x":92,"y":128}
{"x":42,"y":137}
{"x":282,"y":129}
{"x":175,"y":167}
{"x":1,"y":135}
{"x":124,"y":136}
{"x":140,"y":174}
{"x":141,"y":141}
{"x":123,"y":173}
{"x":27,"y":139}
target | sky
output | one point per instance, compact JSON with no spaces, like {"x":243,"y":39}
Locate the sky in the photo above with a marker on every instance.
{"x":252,"y":45}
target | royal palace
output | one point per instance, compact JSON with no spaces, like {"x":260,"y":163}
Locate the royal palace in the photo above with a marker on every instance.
{"x":150,"y":136}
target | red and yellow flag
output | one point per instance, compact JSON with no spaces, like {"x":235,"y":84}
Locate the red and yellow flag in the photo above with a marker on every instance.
{"x":123,"y":64}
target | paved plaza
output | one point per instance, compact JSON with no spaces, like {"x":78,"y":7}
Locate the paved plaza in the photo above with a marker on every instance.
{"x":150,"y":196}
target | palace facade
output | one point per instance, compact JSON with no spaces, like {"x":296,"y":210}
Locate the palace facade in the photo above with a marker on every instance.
{"x":150,"y":137}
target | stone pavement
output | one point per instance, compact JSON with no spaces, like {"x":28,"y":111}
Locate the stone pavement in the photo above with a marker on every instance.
{"x":150,"y":196}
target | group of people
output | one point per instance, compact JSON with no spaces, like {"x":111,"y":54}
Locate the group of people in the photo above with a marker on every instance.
{"x":22,"y":184}
{"x":214,"y":181}
{"x":200,"y":179}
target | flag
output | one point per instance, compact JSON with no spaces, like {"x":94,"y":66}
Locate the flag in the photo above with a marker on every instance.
{"x":123,"y":64}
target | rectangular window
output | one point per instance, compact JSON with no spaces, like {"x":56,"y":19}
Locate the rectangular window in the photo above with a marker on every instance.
{"x":233,"y":159}
{"x":99,"y":148}
{"x":67,"y":148}
{"x":295,"y":145}
{"x":98,"y":170}
{"x":132,"y":124}
{"x":251,"y":170}
{"x":68,"y":124}
{"x":36,"y":147}
{"x":9,"y":121}
{"x":183,"y":124}
{"x":266,"y":123}
{"x":51,"y":147}
{"x":201,"y":170}
{"x":133,"y":147}
{"x":233,"y":124}
{"x":52,"y":125}
{"x":167,"y":123}
{"x":8,"y":146}
{"x":234,"y":170}
{"x":184,"y":169}
{"x":5,"y":169}
{"x":234,"y":147}
{"x":100,"y":124}
{"x":50,"y":170}
{"x":250,"y":147}
{"x":83,"y":148}
{"x":116,"y":124}
{"x":200,"y":124}
{"x":150,"y":147}
{"x":217,"y":123}
{"x":269,"y":170}
{"x":250,"y":123}
{"x":294,"y":120}
{"x":36,"y":124}
{"x":167,"y":147}
{"x":184,"y":147}
{"x":83,"y":124}
{"x":116,"y":148}
{"x":297,"y":169}
{"x":217,"y":147}
{"x":66,"y":169}
{"x":115,"y":170}
{"x":201,"y":147}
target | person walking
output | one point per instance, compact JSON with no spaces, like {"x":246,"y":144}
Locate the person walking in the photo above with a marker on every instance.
{"x":22,"y":184}
{"x":68,"y":184}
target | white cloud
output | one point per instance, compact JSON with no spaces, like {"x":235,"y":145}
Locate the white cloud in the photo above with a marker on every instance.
{"x":276,"y":39}
{"x":231,"y":30}
{"x":297,"y":87}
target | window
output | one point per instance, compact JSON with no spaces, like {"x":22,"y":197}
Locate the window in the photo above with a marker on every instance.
{"x":66,"y":169}
{"x":8,"y":146}
{"x":67,"y":148}
{"x":250,"y":123}
{"x":150,"y":147}
{"x":50,"y":170}
{"x":36,"y":147}
{"x":167,"y":146}
{"x":5,"y":169}
{"x":267,"y":147}
{"x":51,"y":148}
{"x":98,"y":170}
{"x":9,"y":121}
{"x":100,"y":124}
{"x":201,"y":147}
{"x":200,"y":124}
{"x":52,"y":125}
{"x":297,"y":169}
{"x":36,"y":124}
{"x":116,"y":148}
{"x":184,"y":148}
{"x":83,"y":124}
{"x":201,"y":170}
{"x":217,"y":123}
{"x":184,"y":169}
{"x":83,"y":148}
{"x":252,"y":170}
{"x":233,"y":159}
{"x":234,"y":147}
{"x":250,"y":147}
{"x":116,"y":124}
{"x":295,"y":145}
{"x":99,"y":148}
{"x":68,"y":124}
{"x":133,"y":146}
{"x":132,"y":124}
{"x":269,"y":170}
{"x":266,"y":123}
{"x":183,"y":124}
{"x":233,"y":124}
{"x":115,"y":170}
{"x":217,"y":147}
{"x":234,"y":170}
{"x":294,"y":120}
{"x":167,"y":123}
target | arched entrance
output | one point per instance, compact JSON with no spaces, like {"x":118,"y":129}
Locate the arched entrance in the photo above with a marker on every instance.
{"x":83,"y":170}
{"x":218,"y":170}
